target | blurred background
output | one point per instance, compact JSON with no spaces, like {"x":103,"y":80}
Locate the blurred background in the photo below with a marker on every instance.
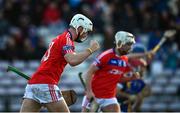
{"x":27,"y":27}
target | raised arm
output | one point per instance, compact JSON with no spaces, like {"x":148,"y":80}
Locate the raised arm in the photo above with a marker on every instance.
{"x":76,"y":58}
{"x":140,"y":55}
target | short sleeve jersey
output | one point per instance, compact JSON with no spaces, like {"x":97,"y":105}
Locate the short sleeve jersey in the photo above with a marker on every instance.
{"x":53,"y":61}
{"x":111,"y":70}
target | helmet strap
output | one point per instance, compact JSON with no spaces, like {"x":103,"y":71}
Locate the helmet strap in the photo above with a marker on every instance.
{"x":119,"y":44}
{"x":78,"y":38}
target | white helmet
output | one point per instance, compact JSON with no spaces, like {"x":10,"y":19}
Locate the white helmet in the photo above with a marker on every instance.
{"x":83,"y":21}
{"x":124,"y":37}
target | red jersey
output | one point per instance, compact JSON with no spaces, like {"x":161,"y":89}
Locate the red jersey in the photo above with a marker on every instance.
{"x":111,"y":71}
{"x":53,"y":62}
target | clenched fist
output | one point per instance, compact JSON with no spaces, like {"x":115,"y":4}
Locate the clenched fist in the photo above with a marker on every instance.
{"x":94,"y":45}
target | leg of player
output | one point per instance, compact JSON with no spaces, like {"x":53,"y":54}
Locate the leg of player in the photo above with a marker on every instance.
{"x":85,"y":105}
{"x":59,"y":106}
{"x":29,"y":105}
{"x":111,"y":108}
{"x":91,"y":107}
{"x":84,"y":109}
{"x":108,"y":104}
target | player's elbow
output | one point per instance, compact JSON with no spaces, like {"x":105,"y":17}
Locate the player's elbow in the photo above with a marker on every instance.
{"x":73,"y":63}
{"x":72,"y":59}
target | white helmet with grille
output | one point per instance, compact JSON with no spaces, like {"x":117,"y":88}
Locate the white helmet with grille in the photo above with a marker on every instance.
{"x":124,"y":37}
{"x":83,"y":21}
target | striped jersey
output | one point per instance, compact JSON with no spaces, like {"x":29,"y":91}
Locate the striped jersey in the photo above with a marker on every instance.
{"x":53,"y":62}
{"x":112,"y":68}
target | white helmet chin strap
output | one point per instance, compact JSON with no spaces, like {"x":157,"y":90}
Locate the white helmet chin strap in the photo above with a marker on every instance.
{"x":83,"y":39}
{"x":81,"y":32}
{"x":118,"y":45}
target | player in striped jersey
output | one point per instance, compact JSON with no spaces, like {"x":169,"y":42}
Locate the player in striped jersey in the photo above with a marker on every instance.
{"x":42,"y":89}
{"x":108,"y":69}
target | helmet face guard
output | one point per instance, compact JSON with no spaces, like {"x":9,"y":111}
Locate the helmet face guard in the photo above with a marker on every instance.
{"x":80,"y":40}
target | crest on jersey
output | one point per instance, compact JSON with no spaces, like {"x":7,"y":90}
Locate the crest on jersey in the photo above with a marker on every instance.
{"x":117,"y":62}
{"x":68,"y":47}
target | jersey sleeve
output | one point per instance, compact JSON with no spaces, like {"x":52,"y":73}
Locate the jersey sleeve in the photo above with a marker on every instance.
{"x":68,"y":46}
{"x":99,"y":61}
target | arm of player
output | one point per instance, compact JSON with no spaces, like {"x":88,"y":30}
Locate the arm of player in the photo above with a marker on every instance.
{"x":130,"y":98}
{"x":140,"y":97}
{"x":129,"y":76}
{"x":146,"y":91}
{"x":88,"y":79}
{"x":140,"y":55}
{"x":137,"y":104}
{"x":122,"y":94}
{"x":76,"y":58}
